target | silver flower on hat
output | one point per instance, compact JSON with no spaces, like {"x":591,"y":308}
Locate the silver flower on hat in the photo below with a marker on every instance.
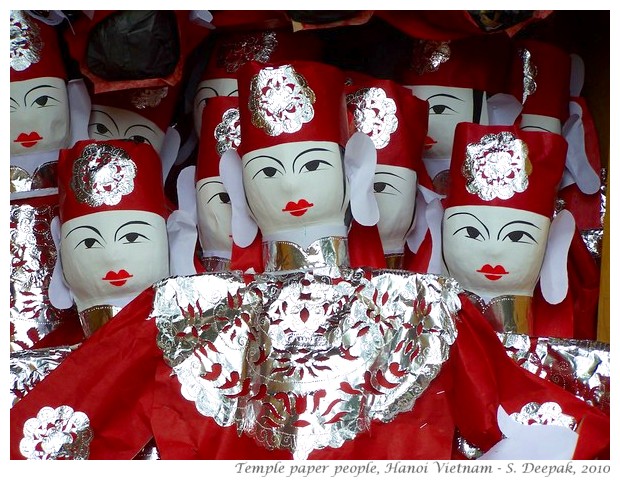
{"x":374,"y":114}
{"x":149,"y":97}
{"x":228,"y":132}
{"x":257,"y":47}
{"x":280,"y":100}
{"x":103,"y":174}
{"x":26,"y":44}
{"x":549,"y":413}
{"x":529,"y":73}
{"x":497,"y":167}
{"x":428,"y":55}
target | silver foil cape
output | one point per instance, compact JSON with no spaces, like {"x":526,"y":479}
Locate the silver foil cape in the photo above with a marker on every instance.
{"x":374,"y":114}
{"x":26,"y":43}
{"x":227,"y":133}
{"x":29,"y":367}
{"x":33,"y":256}
{"x":103,"y":174}
{"x":497,"y":166}
{"x":305,"y":360}
{"x":280,"y":100}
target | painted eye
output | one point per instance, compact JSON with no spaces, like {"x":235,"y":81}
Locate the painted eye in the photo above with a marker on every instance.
{"x":471,"y":232}
{"x":139,"y":139}
{"x":100,"y":129}
{"x":380,"y":186}
{"x":269,"y":171}
{"x":89,"y":243}
{"x":313,"y":165}
{"x":132,"y":237}
{"x":519,"y":236}
{"x":42,"y":101}
{"x":385,"y":188}
{"x":224,"y":197}
{"x":440,"y":110}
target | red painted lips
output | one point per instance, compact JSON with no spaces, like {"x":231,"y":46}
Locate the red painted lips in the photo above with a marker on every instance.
{"x":118,"y":279}
{"x":493,"y":273}
{"x":429,"y":142}
{"x":297,"y":209}
{"x":28,"y":139}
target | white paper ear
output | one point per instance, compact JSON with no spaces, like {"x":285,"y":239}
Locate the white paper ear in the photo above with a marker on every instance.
{"x":423,"y":197}
{"x":244,"y":228}
{"x":79,"y":110}
{"x":434,"y":217}
{"x":186,"y":191}
{"x":577,"y":75}
{"x":531,"y":442}
{"x":182,"y":238}
{"x":576,"y":159}
{"x":554,"y":274}
{"x":58,"y":291}
{"x":202,"y":18}
{"x":169,"y":151}
{"x":360,"y":163}
{"x":503,"y":109}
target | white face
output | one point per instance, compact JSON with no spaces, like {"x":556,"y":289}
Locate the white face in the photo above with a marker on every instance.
{"x":494,"y":251}
{"x":214,"y":217}
{"x":540,"y":123}
{"x":215,"y":87}
{"x":395,"y":191}
{"x":296,"y":185}
{"x":448,"y":106}
{"x":40,"y":118}
{"x":111,"y":123}
{"x":114,"y":254}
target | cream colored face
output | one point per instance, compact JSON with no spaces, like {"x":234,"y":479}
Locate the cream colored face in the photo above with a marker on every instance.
{"x":540,"y":123}
{"x":296,"y":185}
{"x":215,"y":87}
{"x":107,"y":255}
{"x":494,"y":251}
{"x":40,"y":118}
{"x":448,"y":106}
{"x":395,"y":191}
{"x":111,"y":123}
{"x":214,"y":217}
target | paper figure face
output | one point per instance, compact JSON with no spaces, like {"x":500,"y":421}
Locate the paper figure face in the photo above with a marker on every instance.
{"x":448,"y":106}
{"x":113,"y":254}
{"x":40,"y":118}
{"x":214,"y":216}
{"x":540,"y":123}
{"x":215,"y":87}
{"x":296,"y":185}
{"x":395,"y":191}
{"x":111,"y":123}
{"x":494,"y":251}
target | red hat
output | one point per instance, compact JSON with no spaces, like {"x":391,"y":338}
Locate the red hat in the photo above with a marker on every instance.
{"x":122,"y":49}
{"x":540,"y":78}
{"x":395,"y":120}
{"x":291,"y":103}
{"x":35,"y":52}
{"x":504,"y":166}
{"x":100,"y":176}
{"x":158,"y":104}
{"x":220,"y":132}
{"x":480,"y":63}
{"x":233,"y":49}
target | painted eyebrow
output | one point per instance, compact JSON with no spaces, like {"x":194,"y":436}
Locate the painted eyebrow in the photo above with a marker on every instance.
{"x":536,"y":127}
{"x":389,"y":173}
{"x":236,"y":90}
{"x":107,"y":115}
{"x":207,"y":88}
{"x":35,"y":88}
{"x":85,"y":226}
{"x":265,"y":156}
{"x":444,"y":95}
{"x":308,"y":151}
{"x":210,"y":181}
{"x":523,"y":222}
{"x":133,"y":222}
{"x":138,"y":125}
{"x":480,"y":221}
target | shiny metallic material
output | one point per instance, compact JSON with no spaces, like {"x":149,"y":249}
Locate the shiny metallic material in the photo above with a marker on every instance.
{"x":20,"y":180}
{"x":593,"y":239}
{"x":93,"y":318}
{"x":29,"y":367}
{"x":468,"y":450}
{"x":286,"y":256}
{"x":149,"y":97}
{"x":280,"y":100}
{"x":103,"y":174}
{"x":395,"y":261}
{"x":549,"y":413}
{"x":148,"y":452}
{"x":57,"y":434}
{"x":506,"y":313}
{"x":497,"y":167}
{"x":582,"y":367}
{"x":374,"y":114}
{"x":45,"y":176}
{"x":428,"y":55}
{"x":215,"y":264}
{"x":228,"y":131}
{"x":305,"y":360}
{"x":256,"y":47}
{"x":529,"y":73}
{"x":26,"y":43}
{"x":33,"y":256}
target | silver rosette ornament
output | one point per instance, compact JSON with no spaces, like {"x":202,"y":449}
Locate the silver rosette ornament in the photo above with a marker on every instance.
{"x":374,"y":114}
{"x":228,"y":132}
